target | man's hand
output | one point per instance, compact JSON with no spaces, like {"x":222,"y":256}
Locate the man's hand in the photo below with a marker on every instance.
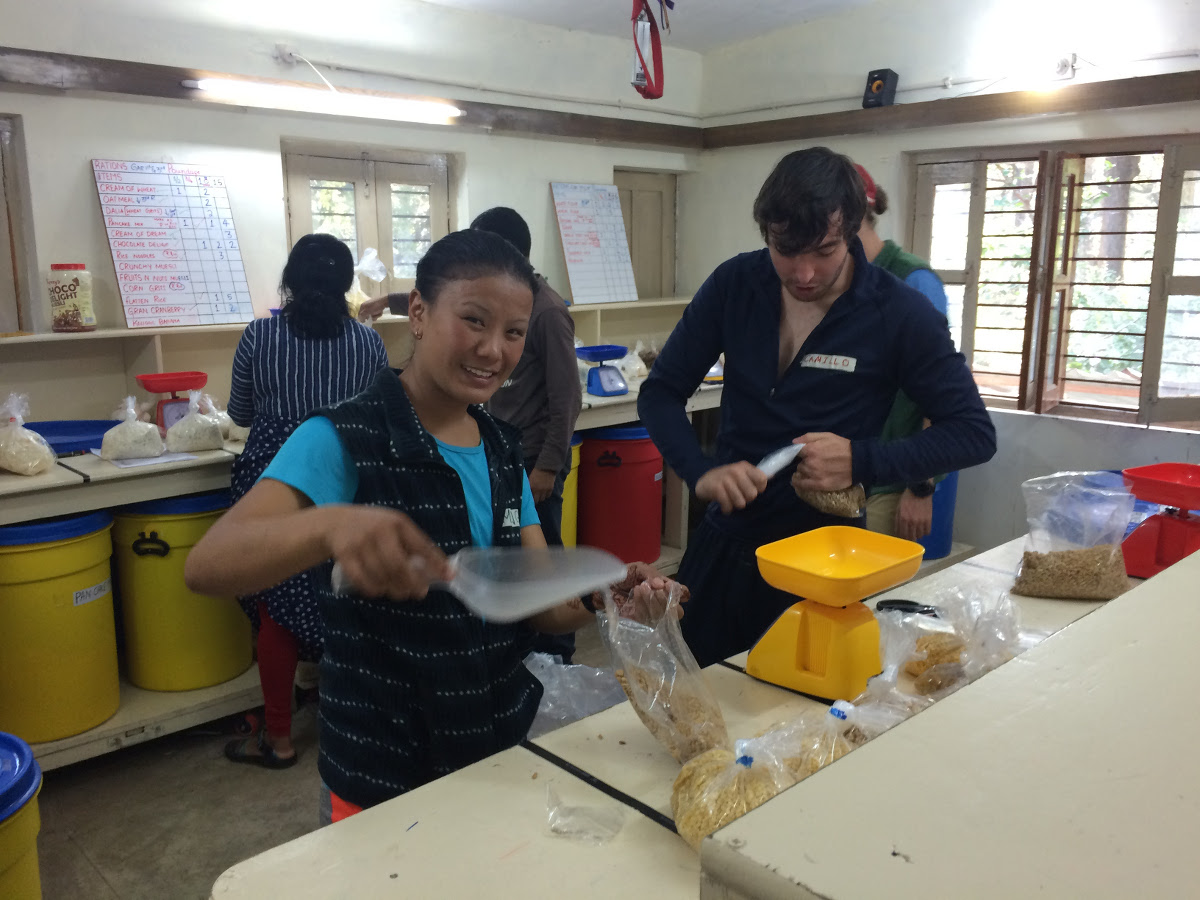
{"x":825,"y":463}
{"x":541,"y":484}
{"x":370,"y":310}
{"x":914,"y":516}
{"x":733,"y":486}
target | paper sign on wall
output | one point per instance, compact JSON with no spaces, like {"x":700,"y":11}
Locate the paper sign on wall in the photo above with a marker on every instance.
{"x":174,"y":245}
{"x":594,"y":243}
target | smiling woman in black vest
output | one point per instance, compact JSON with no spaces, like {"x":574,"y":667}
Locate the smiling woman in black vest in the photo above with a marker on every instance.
{"x":387,"y":484}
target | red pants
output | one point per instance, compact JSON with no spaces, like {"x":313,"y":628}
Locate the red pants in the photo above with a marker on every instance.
{"x":278,"y":653}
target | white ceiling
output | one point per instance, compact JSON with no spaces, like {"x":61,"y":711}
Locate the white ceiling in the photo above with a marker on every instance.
{"x":695,"y":24}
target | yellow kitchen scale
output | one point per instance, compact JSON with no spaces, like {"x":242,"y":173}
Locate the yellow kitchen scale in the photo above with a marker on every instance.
{"x":827,"y":644}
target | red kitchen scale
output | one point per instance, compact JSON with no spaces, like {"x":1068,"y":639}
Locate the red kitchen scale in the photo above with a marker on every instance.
{"x":172,"y":409}
{"x":1166,"y":537}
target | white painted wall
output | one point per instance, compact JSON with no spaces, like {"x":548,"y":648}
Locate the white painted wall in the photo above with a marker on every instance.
{"x":64,"y":133}
{"x":991,"y":509}
{"x":825,"y":63}
{"x":424,"y":42}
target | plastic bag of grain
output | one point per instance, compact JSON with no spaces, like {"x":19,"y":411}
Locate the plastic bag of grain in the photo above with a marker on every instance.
{"x":662,"y":679}
{"x":195,"y":431}
{"x":849,"y":503}
{"x":1073,"y":550}
{"x":210,"y":407}
{"x":22,"y":452}
{"x":131,"y":438}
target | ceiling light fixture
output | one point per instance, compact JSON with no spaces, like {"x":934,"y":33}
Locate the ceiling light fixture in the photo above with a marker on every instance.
{"x":298,"y":98}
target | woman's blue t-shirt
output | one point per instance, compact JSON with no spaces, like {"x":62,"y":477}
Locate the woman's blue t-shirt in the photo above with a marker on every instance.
{"x":314,"y":461}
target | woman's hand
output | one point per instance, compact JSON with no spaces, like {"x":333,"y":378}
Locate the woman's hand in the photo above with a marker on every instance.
{"x":644,"y":593}
{"x":382,"y":553}
{"x":541,"y":484}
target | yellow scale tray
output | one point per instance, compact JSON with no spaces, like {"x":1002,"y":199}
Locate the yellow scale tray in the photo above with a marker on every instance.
{"x":827,"y":644}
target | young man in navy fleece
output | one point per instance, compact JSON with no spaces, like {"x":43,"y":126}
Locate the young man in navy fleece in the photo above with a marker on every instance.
{"x":817,"y":341}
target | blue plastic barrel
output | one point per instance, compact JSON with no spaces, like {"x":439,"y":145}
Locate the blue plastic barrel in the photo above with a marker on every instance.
{"x":941,"y":537}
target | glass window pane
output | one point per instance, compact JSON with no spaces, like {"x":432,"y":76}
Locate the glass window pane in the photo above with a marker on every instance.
{"x":412,"y":231}
{"x":1004,"y":271}
{"x":1018,"y":173}
{"x":951,"y":210}
{"x":1187,"y":242}
{"x":1180,"y":375}
{"x":954,"y":311}
{"x":1003,"y":294}
{"x":332,"y":206}
{"x":1106,"y":296}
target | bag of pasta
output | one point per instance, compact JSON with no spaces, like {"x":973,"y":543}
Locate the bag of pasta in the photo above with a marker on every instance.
{"x":883,"y":705}
{"x":195,"y":431}
{"x":22,"y":452}
{"x":1076,"y":525}
{"x":849,"y":503}
{"x":131,"y":438}
{"x":662,"y":679}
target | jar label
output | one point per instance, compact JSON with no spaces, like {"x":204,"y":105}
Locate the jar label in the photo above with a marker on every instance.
{"x":95,"y":592}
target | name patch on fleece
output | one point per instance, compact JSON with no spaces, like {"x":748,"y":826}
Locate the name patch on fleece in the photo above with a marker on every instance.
{"x":825,"y":361}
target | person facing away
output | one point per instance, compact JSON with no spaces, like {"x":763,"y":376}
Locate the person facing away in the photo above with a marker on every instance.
{"x":387,"y":485}
{"x":541,"y":398}
{"x":309,"y":356}
{"x":816,"y":341}
{"x":901,"y":510}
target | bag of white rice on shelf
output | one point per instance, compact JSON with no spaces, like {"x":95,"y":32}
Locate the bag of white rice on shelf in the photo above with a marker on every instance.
{"x":131,"y":438}
{"x":22,"y":451}
{"x":195,"y":431}
{"x":371,"y":267}
{"x":210,"y":407}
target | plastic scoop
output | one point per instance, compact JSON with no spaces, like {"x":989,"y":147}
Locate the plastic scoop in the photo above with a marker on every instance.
{"x":507,"y":584}
{"x":775,"y":462}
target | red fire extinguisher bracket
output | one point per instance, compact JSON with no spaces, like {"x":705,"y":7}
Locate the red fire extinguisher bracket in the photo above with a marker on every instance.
{"x":647,"y":80}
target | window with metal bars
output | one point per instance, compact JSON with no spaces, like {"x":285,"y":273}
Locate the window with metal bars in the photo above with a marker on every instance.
{"x":397,"y":208}
{"x":1073,"y":274}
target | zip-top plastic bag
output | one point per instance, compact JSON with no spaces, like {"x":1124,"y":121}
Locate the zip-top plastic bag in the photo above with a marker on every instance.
{"x":663,"y":681}
{"x":849,"y":503}
{"x":210,"y":407}
{"x":569,"y":692}
{"x":372,"y":267}
{"x":131,"y":438}
{"x":1073,"y":550}
{"x":883,"y":705}
{"x":195,"y":431}
{"x":22,"y":452}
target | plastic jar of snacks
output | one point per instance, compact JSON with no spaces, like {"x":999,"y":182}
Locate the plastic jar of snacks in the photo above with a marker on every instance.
{"x":70,"y":286}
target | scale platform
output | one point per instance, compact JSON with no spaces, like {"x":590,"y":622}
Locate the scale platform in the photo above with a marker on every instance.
{"x":827,"y":644}
{"x":1166,"y":537}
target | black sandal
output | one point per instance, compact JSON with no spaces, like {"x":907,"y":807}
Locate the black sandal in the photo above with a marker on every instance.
{"x":238,"y":751}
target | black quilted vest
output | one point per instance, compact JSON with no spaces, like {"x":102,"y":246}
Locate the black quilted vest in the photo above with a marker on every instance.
{"x":412,"y":691}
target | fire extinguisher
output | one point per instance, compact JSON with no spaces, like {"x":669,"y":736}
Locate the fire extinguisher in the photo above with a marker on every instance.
{"x":647,"y":43}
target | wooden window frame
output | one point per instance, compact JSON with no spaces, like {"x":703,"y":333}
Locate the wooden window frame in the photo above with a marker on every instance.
{"x":371,"y":173}
{"x":18,"y":266}
{"x":1042,"y":378}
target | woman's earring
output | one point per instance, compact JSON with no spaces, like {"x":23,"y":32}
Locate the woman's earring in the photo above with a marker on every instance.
{"x":416,"y":335}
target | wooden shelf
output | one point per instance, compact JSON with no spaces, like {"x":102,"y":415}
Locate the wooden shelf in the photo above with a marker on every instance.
{"x":109,"y":334}
{"x":633,"y":304}
{"x":144,"y":715}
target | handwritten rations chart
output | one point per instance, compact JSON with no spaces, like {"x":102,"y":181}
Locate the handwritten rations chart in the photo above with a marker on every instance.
{"x":174,"y":245}
{"x":594,"y":243}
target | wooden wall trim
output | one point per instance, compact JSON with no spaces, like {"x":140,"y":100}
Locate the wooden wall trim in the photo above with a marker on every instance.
{"x":66,"y":72}
{"x":1149,"y":90}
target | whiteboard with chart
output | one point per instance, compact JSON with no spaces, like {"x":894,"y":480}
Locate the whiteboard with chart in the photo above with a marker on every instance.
{"x":594,"y":243}
{"x":174,"y":246}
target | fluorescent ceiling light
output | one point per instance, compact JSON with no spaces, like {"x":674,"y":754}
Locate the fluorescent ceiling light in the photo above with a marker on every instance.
{"x":319,"y":100}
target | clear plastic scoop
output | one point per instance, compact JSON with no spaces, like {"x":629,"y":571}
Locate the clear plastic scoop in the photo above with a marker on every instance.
{"x":775,"y":462}
{"x":507,"y":584}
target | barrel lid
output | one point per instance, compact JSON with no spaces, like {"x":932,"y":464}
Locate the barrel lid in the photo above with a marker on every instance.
{"x":61,"y":528}
{"x":576,"y":439}
{"x":20,"y":775}
{"x":626,"y":433}
{"x":179,"y":506}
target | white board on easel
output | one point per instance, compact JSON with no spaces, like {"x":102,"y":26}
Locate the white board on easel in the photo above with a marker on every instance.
{"x":174,"y":245}
{"x":594,"y":244}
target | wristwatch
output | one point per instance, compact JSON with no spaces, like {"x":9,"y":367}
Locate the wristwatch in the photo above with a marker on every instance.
{"x":921,"y":489}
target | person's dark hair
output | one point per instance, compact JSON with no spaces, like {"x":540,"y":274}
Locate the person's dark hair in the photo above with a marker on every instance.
{"x":880,"y":207}
{"x":508,"y":224}
{"x":806,"y":189}
{"x":319,"y":271}
{"x":465,"y":255}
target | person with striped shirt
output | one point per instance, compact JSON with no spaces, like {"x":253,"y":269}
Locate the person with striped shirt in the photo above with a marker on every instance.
{"x":309,"y":356}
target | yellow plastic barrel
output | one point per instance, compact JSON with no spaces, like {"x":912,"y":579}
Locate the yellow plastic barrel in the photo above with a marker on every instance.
{"x":570,"y":504}
{"x":58,"y":641}
{"x":20,"y":783}
{"x":175,"y":640}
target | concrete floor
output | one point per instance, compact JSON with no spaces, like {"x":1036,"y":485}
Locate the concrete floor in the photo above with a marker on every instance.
{"x":162,"y":820}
